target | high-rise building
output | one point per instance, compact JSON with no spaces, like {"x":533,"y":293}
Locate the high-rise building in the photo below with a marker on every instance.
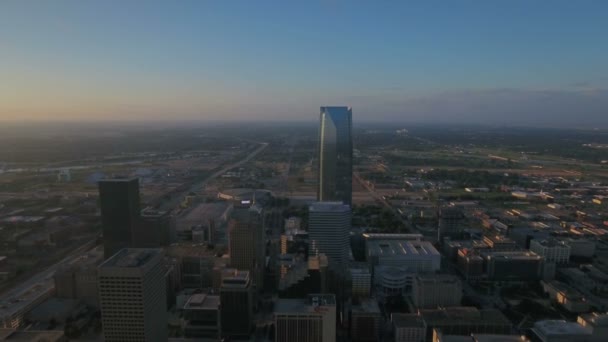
{"x":236,"y":304}
{"x":328,"y":232}
{"x":132,"y":296}
{"x":309,"y":320}
{"x":202,"y":316}
{"x":436,"y":290}
{"x":120,"y":210}
{"x":153,"y":230}
{"x":247,"y":249}
{"x":335,"y":169}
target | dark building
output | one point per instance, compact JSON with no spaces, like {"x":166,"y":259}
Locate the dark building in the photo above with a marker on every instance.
{"x":335,"y":168}
{"x":120,"y":212}
{"x":247,"y":248}
{"x":236,"y":300}
{"x":153,"y":230}
{"x":450,"y":220}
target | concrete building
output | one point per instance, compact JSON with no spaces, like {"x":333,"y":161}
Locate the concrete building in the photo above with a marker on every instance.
{"x":196,"y":263}
{"x":247,"y":247}
{"x":362,"y":282}
{"x":408,"y":327}
{"x":236,"y":298}
{"x":202,"y":316}
{"x":436,"y":290}
{"x":120,"y":212}
{"x":335,"y":156}
{"x":513,"y":266}
{"x":418,"y":256}
{"x":465,"y":320}
{"x":552,"y":250}
{"x":328,"y":229}
{"x":309,"y":320}
{"x":13,"y":308}
{"x":470,"y":264}
{"x":450,"y":223}
{"x":597,"y":324}
{"x":584,"y":248}
{"x":568,"y":297}
{"x":154,"y":229}
{"x":560,"y":331}
{"x":365,"y":321}
{"x":132,"y":296}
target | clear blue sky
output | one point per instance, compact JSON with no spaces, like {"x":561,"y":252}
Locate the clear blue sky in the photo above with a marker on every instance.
{"x":525,"y":62}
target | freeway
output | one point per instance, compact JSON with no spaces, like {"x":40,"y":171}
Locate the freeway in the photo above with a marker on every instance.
{"x":176,"y":198}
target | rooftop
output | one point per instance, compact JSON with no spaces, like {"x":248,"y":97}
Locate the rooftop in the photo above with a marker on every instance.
{"x":303,"y":305}
{"x":329,"y":207}
{"x":515,"y":255}
{"x":411,"y":320}
{"x":558,"y":327}
{"x":235,"y":278}
{"x":384,"y":236}
{"x":202,"y":301}
{"x":401,"y":248}
{"x":31,"y":335}
{"x":131,"y":257}
{"x":369,"y":305}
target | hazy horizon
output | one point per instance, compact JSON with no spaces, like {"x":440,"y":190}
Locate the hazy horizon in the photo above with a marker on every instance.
{"x":516,"y":63}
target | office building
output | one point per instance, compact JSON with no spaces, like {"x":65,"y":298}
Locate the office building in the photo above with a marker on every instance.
{"x":153,"y":230}
{"x":465,"y":320}
{"x":78,"y":280}
{"x":335,"y":157}
{"x":120,"y":212}
{"x":365,"y":321}
{"x":247,"y":247}
{"x":514,"y":266}
{"x":306,"y":320}
{"x":132,"y":296}
{"x":328,"y":232}
{"x":450,"y":223}
{"x":362,"y":281}
{"x":236,"y":298}
{"x":560,"y":331}
{"x":408,"y":327}
{"x":202,"y":316}
{"x":595,"y":323}
{"x":470,"y":264}
{"x":435,"y":290}
{"x":417,"y":255}
{"x":552,"y":250}
{"x":500,"y":243}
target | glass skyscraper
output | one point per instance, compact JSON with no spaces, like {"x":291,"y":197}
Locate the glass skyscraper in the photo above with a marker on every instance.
{"x":335,"y":169}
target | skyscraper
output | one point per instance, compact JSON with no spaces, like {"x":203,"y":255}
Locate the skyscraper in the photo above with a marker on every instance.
{"x":328,"y":231}
{"x":119,"y":199}
{"x":236,"y":309}
{"x":335,"y":169}
{"x":247,"y":249}
{"x":132,"y":296}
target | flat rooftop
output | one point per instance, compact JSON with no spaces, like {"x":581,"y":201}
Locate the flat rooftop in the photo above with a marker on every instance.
{"x":411,"y":320}
{"x":302,"y":305}
{"x":31,"y":335}
{"x":559,"y":327}
{"x":329,"y":207}
{"x":202,"y":301}
{"x":367,"y":306}
{"x":384,"y":236}
{"x":235,"y":278}
{"x":131,"y":257}
{"x":383,"y":248}
{"x":514,"y":255}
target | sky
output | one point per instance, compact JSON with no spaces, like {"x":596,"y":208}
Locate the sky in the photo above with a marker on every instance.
{"x":496,"y":62}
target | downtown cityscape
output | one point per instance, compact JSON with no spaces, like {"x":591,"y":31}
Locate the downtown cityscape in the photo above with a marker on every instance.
{"x":240,"y":191}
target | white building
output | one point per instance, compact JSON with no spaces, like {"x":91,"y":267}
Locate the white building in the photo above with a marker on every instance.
{"x":328,"y":232}
{"x":560,"y":331}
{"x":418,"y":256}
{"x":309,"y":320}
{"x":408,"y":327}
{"x":552,"y":250}
{"x":132,"y":296}
{"x":434,"y":290}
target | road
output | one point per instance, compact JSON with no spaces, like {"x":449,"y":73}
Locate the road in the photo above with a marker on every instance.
{"x":175,"y":199}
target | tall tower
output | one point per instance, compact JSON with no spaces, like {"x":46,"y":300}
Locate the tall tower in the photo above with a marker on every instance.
{"x":236,"y":308}
{"x":119,"y":199}
{"x":335,"y":169}
{"x":247,"y":247}
{"x":328,"y":232}
{"x":132,"y":296}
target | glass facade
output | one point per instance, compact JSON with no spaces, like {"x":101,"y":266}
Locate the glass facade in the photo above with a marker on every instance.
{"x":335,"y":169}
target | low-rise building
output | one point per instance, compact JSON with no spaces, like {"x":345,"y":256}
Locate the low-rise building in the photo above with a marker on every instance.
{"x":435,"y":290}
{"x":552,"y":250}
{"x":597,"y":324}
{"x":408,"y":327}
{"x":560,"y":331}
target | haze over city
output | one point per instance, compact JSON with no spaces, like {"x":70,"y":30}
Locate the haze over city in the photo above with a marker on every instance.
{"x":540,"y":63}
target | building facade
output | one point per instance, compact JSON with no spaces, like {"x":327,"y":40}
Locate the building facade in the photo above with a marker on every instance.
{"x":328,"y":232}
{"x":120,"y":212}
{"x":552,"y":250}
{"x":132,"y":296}
{"x":335,"y":157}
{"x":309,"y":320}
{"x":246,"y":246}
{"x":236,"y":300}
{"x":435,"y":290}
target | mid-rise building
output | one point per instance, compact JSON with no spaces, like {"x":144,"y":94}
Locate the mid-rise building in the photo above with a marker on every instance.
{"x":419,"y":256}
{"x":408,"y":327}
{"x":120,"y":212}
{"x":597,"y":324}
{"x":500,"y":243}
{"x":465,"y":320}
{"x":436,"y":290}
{"x":202,"y":316}
{"x":306,"y":320}
{"x":450,"y":223}
{"x":513,"y":266}
{"x":153,"y":230}
{"x":79,"y":280}
{"x":335,"y":156}
{"x":552,"y":250}
{"x":365,"y":321}
{"x":362,"y":282}
{"x":236,"y":298}
{"x":560,"y":331}
{"x":132,"y":296}
{"x":328,"y":229}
